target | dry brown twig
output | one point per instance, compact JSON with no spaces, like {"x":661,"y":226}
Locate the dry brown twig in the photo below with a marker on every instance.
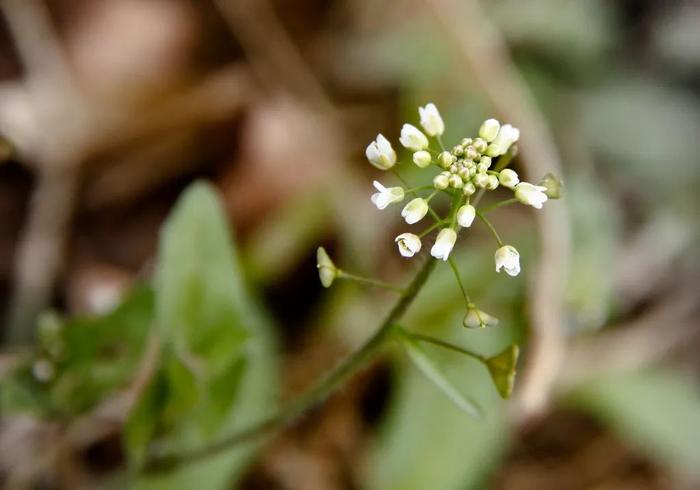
{"x":484,"y":51}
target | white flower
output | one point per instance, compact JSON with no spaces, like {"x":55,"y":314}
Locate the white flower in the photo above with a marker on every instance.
{"x":415,"y":210}
{"x":532,"y":195}
{"x":443,"y":245}
{"x":380,"y":153}
{"x":465,"y":215}
{"x":508,"y":258}
{"x":386,"y":195}
{"x":422,"y":158}
{"x":507,"y":135}
{"x":430,"y":120}
{"x":489,"y":129}
{"x":412,"y":138}
{"x":476,"y":318}
{"x":508,"y":178}
{"x":327,"y":271}
{"x":409,"y":244}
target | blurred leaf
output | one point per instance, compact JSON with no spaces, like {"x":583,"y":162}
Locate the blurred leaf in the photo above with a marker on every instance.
{"x":197,"y":293}
{"x":646,"y":131}
{"x":143,"y":420}
{"x":568,"y":30}
{"x":204,"y":307}
{"x":421,"y":360}
{"x":657,"y":411}
{"x":182,"y":390}
{"x":596,"y":234}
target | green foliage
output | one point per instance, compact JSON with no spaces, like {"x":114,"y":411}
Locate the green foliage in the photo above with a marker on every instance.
{"x":91,"y":357}
{"x":426,"y":366}
{"x":657,"y":411}
{"x":218,"y":367}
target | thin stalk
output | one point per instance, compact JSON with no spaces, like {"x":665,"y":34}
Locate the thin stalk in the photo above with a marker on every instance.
{"x":459,"y":280}
{"x":490,"y":227}
{"x":431,"y":228}
{"x":439,"y":140}
{"x":158,"y":463}
{"x":499,"y":204}
{"x":446,"y":345}
{"x":369,"y":281}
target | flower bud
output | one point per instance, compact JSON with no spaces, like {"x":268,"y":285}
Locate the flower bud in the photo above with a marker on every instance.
{"x":553,"y":186}
{"x":380,"y":153}
{"x":441,"y":181}
{"x":480,"y":145}
{"x":470,"y":153}
{"x":409,"y":244}
{"x":508,"y":178}
{"x":466,"y":142}
{"x":476,"y":318}
{"x":415,"y":210}
{"x":532,"y":195}
{"x":430,"y":120}
{"x":386,"y":195}
{"x":485,"y":161}
{"x":445,"y":159}
{"x":456,"y":181}
{"x":489,"y":129}
{"x":465,"y":215}
{"x":481,"y":180}
{"x":507,"y":135}
{"x":327,"y":271}
{"x":412,"y":138}
{"x":468,"y":189}
{"x":492,"y":183}
{"x":508,"y":258}
{"x":422,"y":158}
{"x":444,"y":243}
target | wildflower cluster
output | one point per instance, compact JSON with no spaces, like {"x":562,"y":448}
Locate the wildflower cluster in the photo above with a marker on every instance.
{"x":464,"y":173}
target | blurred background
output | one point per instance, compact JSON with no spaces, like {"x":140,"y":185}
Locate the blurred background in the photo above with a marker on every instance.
{"x":110,"y":108}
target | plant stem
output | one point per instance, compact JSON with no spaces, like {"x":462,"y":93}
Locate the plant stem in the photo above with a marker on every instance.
{"x":459,"y":280}
{"x":295,"y":408}
{"x":499,"y":204}
{"x":369,"y":281}
{"x":441,"y":343}
{"x":490,"y":227}
{"x":413,"y":193}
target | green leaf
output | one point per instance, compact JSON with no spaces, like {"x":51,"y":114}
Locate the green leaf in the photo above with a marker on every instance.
{"x":143,"y":420}
{"x":206,"y":315}
{"x":197,"y":293}
{"x":421,"y":360}
{"x":657,"y":411}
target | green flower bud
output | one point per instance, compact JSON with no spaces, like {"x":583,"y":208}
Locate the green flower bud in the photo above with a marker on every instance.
{"x":481,"y":180}
{"x":552,"y":185}
{"x":456,"y":181}
{"x":445,"y":159}
{"x":468,"y":189}
{"x":480,"y":145}
{"x":502,"y":369}
{"x":441,"y":181}
{"x":422,"y":158}
{"x":492,"y":183}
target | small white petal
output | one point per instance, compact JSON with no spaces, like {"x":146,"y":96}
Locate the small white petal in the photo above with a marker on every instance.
{"x":508,"y":259}
{"x":415,"y":210}
{"x":465,"y":215}
{"x":489,"y":129}
{"x":412,"y":138}
{"x":409,"y":244}
{"x":431,"y":120}
{"x":380,"y":153}
{"x":444,"y":243}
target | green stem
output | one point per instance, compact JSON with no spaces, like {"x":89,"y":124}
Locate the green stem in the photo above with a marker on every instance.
{"x":369,"y":281}
{"x":441,"y":343}
{"x":459,"y":280}
{"x":294,"y":409}
{"x":499,"y":204}
{"x":490,"y":227}
{"x":439,"y":140}
{"x":431,"y":228}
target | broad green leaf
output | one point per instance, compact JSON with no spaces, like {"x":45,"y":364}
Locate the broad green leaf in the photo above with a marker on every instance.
{"x":421,"y":360}
{"x":657,"y":411}
{"x":144,"y":418}
{"x":204,"y":307}
{"x":197,"y":295}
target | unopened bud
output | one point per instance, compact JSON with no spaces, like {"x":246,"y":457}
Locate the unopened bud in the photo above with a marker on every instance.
{"x":441,"y":181}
